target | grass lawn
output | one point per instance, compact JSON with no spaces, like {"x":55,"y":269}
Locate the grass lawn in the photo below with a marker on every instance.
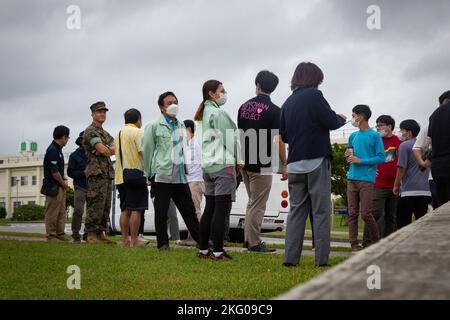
{"x":119,"y":238}
{"x":37,"y":270}
{"x":336,"y":227}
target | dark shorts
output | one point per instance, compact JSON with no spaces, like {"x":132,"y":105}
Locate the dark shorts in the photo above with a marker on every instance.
{"x":132,"y":198}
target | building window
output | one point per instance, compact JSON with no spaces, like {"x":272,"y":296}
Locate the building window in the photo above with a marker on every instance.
{"x":31,"y":202}
{"x":23,"y":181}
{"x":2,"y":205}
{"x":17,"y":204}
{"x":13,"y":181}
{"x":33,"y":180}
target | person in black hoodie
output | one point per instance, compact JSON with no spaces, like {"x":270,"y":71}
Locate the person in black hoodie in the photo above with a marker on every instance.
{"x":306,"y":121}
{"x":75,"y":170}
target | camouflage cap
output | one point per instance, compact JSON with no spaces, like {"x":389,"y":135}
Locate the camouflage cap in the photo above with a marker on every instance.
{"x":100,"y":105}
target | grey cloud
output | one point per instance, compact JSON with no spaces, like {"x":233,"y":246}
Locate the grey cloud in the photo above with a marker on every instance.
{"x":128,"y":52}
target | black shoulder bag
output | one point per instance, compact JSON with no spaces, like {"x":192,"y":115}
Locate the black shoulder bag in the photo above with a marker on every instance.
{"x":49,"y":191}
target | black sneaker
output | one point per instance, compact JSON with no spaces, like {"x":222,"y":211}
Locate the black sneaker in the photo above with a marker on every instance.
{"x":205,"y":256}
{"x":164,"y":247}
{"x":323,"y":265}
{"x":357,"y":248}
{"x":223,"y":257}
{"x":261,"y":247}
{"x":289,"y":265}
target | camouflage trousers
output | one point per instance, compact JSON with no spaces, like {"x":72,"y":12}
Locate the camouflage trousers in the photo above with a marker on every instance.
{"x":98,"y":204}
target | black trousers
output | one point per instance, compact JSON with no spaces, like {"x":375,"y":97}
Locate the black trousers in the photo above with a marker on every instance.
{"x":442,"y":189}
{"x":182,"y":198}
{"x":212,"y":223}
{"x":407,"y":206}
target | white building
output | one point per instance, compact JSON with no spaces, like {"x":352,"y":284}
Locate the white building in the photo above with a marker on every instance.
{"x":21,"y":180}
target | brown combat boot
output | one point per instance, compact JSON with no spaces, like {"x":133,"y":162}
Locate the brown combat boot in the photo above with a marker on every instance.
{"x":93,"y":238}
{"x":103,"y":239}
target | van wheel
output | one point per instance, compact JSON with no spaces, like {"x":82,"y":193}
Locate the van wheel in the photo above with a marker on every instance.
{"x":236,"y":235}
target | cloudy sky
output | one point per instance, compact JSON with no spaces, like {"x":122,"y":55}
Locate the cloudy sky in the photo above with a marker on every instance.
{"x":128,"y":52}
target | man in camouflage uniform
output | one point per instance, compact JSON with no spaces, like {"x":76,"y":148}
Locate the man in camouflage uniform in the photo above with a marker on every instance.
{"x":99,"y":147}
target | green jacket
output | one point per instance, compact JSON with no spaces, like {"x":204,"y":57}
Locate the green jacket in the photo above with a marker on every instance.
{"x":158,"y":144}
{"x":219,"y":139}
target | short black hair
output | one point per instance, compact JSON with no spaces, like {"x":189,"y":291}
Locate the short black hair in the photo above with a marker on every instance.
{"x":410,"y":125}
{"x":267,"y":81}
{"x":364,"y":110}
{"x":190,"y":124}
{"x":61,"y":131}
{"x":132,"y":115}
{"x":445,"y":95}
{"x":164,"y":95}
{"x":387,"y":120}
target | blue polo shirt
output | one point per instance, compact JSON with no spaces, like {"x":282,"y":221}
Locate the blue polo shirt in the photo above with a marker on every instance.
{"x":368,"y":146}
{"x":53,"y":162}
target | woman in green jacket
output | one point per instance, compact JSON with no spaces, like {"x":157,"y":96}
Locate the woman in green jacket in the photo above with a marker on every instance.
{"x":220,"y":159}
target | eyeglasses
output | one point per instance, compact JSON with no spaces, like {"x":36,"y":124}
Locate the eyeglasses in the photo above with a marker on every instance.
{"x":380,"y":125}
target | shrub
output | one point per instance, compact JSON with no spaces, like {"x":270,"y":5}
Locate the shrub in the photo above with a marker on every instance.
{"x":2,"y":213}
{"x":29,"y":212}
{"x":70,"y":197}
{"x":339,"y":201}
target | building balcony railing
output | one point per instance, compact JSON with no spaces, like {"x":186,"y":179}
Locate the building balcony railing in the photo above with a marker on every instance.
{"x":26,"y":159}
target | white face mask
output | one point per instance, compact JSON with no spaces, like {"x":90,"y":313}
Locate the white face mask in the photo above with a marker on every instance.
{"x":355,"y":123}
{"x":172,"y":110}
{"x":222,"y":99}
{"x":383,"y":133}
{"x":400,"y":136}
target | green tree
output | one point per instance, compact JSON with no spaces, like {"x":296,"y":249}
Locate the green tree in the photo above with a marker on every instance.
{"x":339,"y":172}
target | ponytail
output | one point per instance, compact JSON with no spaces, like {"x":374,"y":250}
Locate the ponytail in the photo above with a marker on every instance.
{"x":210,"y":85}
{"x":199,"y":114}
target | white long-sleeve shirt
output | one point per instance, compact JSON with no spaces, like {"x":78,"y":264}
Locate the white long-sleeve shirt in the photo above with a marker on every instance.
{"x":194,"y":161}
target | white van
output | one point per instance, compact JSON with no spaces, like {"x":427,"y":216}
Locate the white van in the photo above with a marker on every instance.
{"x":274,"y":218}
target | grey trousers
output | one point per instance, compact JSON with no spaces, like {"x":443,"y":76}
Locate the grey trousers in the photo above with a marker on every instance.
{"x":310,"y":192}
{"x":78,"y":211}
